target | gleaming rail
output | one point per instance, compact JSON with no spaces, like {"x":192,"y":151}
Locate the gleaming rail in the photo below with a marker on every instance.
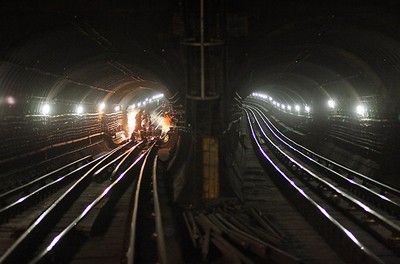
{"x":335,"y":166}
{"x":56,"y":245}
{"x":365,"y":187}
{"x":382,"y":227}
{"x":42,"y":179}
{"x":26,"y":243}
{"x":31,"y":192}
{"x":141,"y":228}
{"x":342,"y":234}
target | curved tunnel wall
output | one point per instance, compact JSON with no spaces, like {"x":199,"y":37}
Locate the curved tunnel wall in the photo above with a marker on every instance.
{"x":66,"y":68}
{"x":69,"y":68}
{"x":352,"y":58}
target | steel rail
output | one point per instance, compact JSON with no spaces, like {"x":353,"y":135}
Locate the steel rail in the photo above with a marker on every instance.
{"x":119,"y":166}
{"x":365,"y":208}
{"x":43,"y":178}
{"x":162,"y":253}
{"x":27,"y":238}
{"x":367,"y":211}
{"x":392,"y":206}
{"x":122,"y":157}
{"x":23,"y":201}
{"x":19,"y":171}
{"x":362,"y":254}
{"x":57,"y":241}
{"x":130,"y":253}
{"x":383,"y":186}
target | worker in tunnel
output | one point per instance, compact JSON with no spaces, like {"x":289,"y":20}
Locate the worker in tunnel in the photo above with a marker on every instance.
{"x":146,"y":120}
{"x":149,"y":125}
{"x":145,"y":124}
{"x":167,"y":120}
{"x":138,"y":121}
{"x":138,"y":125}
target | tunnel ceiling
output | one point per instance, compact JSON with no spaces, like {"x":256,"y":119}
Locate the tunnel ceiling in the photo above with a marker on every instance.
{"x":90,"y":50}
{"x":86,"y":54}
{"x":70,"y":65}
{"x":312,"y":51}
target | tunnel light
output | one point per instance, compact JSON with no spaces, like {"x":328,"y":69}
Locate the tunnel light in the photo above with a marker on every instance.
{"x":117,"y":108}
{"x":139,"y":104}
{"x":10,"y":100}
{"x":283,"y":106}
{"x":133,"y":105}
{"x":158,"y":96}
{"x":289,"y":108}
{"x":79,"y":109}
{"x":278,"y":104}
{"x":102,"y":106}
{"x":331,"y":103}
{"x":307,"y":108}
{"x":45,"y":109}
{"x":361,"y":110}
{"x":270,"y":98}
{"x":297,"y":108}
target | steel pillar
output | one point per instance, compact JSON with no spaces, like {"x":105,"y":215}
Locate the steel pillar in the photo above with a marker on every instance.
{"x":205,"y":92}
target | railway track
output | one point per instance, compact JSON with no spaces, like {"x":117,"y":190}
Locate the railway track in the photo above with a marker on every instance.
{"x":10,"y":196}
{"x":16,"y":177}
{"x":27,"y":195}
{"x":330,"y":165}
{"x":379,"y":194}
{"x":80,"y":202}
{"x":362,"y":212}
{"x":146,"y":218}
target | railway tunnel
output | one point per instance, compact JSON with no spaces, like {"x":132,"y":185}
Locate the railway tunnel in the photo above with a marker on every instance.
{"x":205,"y":131}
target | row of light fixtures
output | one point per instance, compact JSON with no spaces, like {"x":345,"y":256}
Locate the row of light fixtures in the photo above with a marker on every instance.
{"x":360,"y":110}
{"x":146,"y":101}
{"x":297,"y":108}
{"x":46,"y":108}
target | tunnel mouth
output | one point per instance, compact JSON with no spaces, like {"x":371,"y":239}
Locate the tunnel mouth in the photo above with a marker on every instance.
{"x":49,"y":108}
{"x":349,"y":57}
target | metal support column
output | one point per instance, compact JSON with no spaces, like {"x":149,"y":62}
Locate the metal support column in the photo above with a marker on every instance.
{"x":204,"y":46}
